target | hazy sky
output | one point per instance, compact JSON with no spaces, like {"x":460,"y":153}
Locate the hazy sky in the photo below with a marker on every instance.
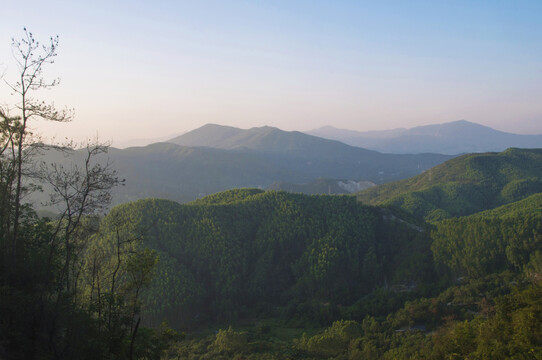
{"x":134,"y":69}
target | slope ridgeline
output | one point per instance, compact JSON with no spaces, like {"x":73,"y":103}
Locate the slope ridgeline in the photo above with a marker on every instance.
{"x":464,"y":185}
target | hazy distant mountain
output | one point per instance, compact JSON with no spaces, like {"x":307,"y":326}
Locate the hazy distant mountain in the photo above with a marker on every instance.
{"x":272,"y":140}
{"x":183,"y":173}
{"x":330,"y":132}
{"x":256,"y":157}
{"x":449,"y":138}
{"x":139,"y":142}
{"x":269,"y":140}
{"x":294,"y":145}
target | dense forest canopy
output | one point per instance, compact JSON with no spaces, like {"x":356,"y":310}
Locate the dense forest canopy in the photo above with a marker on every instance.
{"x":464,"y":185}
{"x":409,"y":289}
{"x":506,"y":238}
{"x":245,"y":252}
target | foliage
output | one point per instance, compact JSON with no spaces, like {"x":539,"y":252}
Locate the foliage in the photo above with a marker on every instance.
{"x":333,"y":341}
{"x":505,"y":327}
{"x":464,"y":185}
{"x":246,"y":252}
{"x":61,"y":296}
{"x":230,"y":341}
{"x":490,"y":241}
{"x":511,"y":332}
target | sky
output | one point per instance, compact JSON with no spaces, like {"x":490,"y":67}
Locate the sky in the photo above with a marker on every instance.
{"x":142,"y":70}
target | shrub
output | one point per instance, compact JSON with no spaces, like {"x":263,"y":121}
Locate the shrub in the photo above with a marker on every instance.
{"x":230,"y":340}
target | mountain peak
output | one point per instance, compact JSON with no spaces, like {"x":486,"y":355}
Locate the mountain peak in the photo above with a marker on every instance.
{"x":264,"y":138}
{"x":454,"y":137}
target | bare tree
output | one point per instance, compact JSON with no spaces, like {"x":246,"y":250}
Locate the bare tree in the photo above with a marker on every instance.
{"x":73,"y":272}
{"x":31,"y":58}
{"x":78,"y":189}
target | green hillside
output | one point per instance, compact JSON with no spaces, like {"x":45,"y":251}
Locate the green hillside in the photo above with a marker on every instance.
{"x":530,"y":206}
{"x":485,"y":304}
{"x":505,"y":238}
{"x":486,"y":294}
{"x":243,"y":253}
{"x":464,"y":185}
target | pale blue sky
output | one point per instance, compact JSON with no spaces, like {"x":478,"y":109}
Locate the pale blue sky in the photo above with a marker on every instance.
{"x":134,"y":69}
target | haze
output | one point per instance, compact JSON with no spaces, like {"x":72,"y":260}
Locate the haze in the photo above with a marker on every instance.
{"x":135,"y":70}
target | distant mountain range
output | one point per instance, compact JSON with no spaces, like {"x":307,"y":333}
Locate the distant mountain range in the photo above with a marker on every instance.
{"x":215,"y":158}
{"x":456,"y":137}
{"x":295,"y":144}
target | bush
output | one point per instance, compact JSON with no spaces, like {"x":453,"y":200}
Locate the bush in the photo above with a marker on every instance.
{"x":230,"y":340}
{"x":333,"y":341}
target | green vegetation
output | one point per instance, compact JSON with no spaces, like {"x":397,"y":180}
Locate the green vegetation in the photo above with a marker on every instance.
{"x":259,"y":274}
{"x":475,"y":295}
{"x":66,"y":291}
{"x":492,"y":241}
{"x":249,"y":253}
{"x":479,"y":294}
{"x":471,"y":321}
{"x":464,"y":185}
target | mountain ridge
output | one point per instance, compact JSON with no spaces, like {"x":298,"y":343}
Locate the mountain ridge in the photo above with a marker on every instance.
{"x":219,"y":158}
{"x":464,"y":185}
{"x":456,"y":137}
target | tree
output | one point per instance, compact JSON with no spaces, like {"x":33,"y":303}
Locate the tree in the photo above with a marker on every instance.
{"x":23,"y":237}
{"x":78,"y":190}
{"x":8,"y":128}
{"x":41,"y":259}
{"x":31,"y":58}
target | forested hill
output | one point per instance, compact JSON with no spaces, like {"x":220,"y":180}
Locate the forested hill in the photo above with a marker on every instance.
{"x":464,"y":185}
{"x":490,"y":310}
{"x":243,"y":253}
{"x":528,"y":207}
{"x":406,"y":288}
{"x":506,"y":238}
